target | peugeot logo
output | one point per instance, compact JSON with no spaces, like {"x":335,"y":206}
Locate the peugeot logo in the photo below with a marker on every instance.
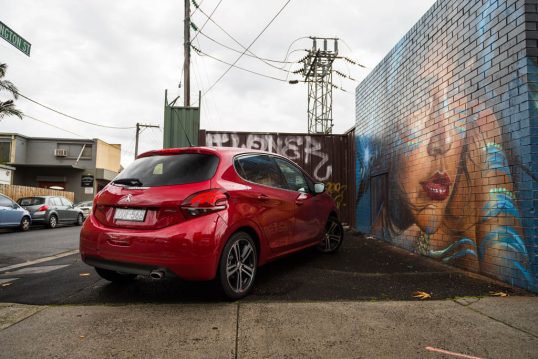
{"x":127,"y":198}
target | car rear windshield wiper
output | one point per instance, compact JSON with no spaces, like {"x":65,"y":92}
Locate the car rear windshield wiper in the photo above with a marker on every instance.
{"x":128,"y":181}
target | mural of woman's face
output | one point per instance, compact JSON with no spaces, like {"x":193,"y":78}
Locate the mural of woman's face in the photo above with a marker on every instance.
{"x":432,"y":144}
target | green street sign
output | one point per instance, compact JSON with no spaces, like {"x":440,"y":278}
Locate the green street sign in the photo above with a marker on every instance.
{"x":14,"y":39}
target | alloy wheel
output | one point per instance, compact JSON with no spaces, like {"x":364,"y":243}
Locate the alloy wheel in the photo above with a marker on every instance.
{"x":25,"y":224}
{"x":53,"y":221}
{"x":334,"y":234}
{"x":240,"y":265}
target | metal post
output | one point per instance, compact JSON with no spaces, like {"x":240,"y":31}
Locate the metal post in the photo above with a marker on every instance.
{"x":187,"y":54}
{"x":136,"y":138}
{"x":138,"y":126}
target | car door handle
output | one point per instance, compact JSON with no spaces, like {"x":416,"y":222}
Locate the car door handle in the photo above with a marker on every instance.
{"x":263,"y":197}
{"x":300,"y":200}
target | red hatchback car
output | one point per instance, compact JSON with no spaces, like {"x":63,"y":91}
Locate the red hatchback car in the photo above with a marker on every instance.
{"x":203,"y":213}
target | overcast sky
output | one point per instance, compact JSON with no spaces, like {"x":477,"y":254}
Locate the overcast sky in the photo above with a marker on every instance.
{"x":110,"y":62}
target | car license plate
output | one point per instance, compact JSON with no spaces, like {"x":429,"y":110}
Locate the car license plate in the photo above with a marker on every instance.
{"x":135,"y":215}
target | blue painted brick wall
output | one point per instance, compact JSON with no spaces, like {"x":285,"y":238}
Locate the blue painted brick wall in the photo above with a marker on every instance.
{"x":449,"y":119}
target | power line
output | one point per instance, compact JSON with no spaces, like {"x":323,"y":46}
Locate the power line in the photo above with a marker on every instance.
{"x":69,"y":116}
{"x":235,"y":66}
{"x":250,"y":55}
{"x":238,"y":43}
{"x":252,"y":43}
{"x":63,"y":129}
{"x":196,"y":7}
{"x":208,"y":17}
{"x":50,"y":124}
{"x":205,"y":100}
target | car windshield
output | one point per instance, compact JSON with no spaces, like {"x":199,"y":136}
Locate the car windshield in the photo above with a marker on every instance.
{"x":31,"y":201}
{"x":169,"y":170}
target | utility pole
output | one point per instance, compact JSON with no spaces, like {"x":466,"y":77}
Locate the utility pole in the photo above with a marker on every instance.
{"x":138,"y":126}
{"x":187,"y":54}
{"x":317,"y":72}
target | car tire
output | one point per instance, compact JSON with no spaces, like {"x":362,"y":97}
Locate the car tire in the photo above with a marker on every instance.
{"x":53,"y":221}
{"x":80,"y":219}
{"x":238,"y":266}
{"x":115,"y":277}
{"x":25,"y":224}
{"x":332,"y":237}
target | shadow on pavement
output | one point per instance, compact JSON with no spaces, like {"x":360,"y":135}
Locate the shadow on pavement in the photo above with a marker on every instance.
{"x":364,"y":269}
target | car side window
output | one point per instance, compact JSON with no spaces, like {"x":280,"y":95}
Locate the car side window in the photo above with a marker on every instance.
{"x":5,"y":202}
{"x":55,"y":201}
{"x":260,"y":169}
{"x":294,"y":177}
{"x":65,"y":202}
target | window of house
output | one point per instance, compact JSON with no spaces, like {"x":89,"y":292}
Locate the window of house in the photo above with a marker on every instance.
{"x":73,"y":150}
{"x":5,"y":151}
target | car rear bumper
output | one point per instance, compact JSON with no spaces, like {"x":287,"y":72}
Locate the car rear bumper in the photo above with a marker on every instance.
{"x":189,"y":250}
{"x":39,"y":217}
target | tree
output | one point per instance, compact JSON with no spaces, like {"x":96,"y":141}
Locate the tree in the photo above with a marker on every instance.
{"x":7,"y":108}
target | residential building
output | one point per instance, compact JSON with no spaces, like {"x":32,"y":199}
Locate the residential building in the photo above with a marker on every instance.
{"x":82,"y":166}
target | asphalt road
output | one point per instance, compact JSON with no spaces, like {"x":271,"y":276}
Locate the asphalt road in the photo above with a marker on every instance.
{"x":38,"y":242}
{"x":364,"y":269}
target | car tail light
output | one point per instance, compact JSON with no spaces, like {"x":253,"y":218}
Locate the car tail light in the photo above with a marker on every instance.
{"x":205,"y":202}
{"x":43,"y":208}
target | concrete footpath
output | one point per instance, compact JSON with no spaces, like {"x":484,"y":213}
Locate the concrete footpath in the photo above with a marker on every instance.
{"x":484,"y":328}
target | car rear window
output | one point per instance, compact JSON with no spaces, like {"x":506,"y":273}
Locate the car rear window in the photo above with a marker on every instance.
{"x":169,"y":170}
{"x":31,"y":201}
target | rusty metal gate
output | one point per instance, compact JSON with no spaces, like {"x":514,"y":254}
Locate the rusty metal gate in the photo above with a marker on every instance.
{"x":327,"y":158}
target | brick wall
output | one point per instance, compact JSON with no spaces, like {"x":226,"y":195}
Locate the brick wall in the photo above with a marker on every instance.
{"x":447,"y":139}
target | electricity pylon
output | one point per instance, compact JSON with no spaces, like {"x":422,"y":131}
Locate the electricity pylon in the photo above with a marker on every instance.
{"x":317,"y":73}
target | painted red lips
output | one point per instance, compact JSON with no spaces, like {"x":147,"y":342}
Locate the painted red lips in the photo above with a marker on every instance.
{"x":437,"y":187}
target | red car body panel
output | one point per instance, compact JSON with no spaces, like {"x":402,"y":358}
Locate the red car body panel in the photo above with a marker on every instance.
{"x":282,"y":221}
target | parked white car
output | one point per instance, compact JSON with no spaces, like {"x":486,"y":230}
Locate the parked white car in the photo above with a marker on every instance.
{"x":86,"y":207}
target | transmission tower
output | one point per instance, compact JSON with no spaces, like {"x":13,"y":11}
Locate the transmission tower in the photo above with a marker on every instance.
{"x":317,"y":72}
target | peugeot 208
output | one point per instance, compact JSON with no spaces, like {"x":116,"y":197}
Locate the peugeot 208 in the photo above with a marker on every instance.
{"x":202,"y":213}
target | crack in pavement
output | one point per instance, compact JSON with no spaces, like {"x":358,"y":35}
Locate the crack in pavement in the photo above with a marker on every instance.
{"x":468,"y":306}
{"x":237,"y":331}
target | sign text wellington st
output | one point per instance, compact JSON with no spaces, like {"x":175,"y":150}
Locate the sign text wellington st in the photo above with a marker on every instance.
{"x":14,"y":39}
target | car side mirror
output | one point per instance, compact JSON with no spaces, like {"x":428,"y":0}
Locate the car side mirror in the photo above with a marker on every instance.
{"x":319,"y":187}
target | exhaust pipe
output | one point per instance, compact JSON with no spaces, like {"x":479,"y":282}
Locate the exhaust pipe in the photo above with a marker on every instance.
{"x":157,"y":274}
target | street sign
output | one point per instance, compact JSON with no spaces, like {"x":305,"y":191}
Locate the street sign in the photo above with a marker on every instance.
{"x":14,"y":39}
{"x":86,"y":181}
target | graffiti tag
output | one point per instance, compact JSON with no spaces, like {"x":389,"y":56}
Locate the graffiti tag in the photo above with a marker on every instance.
{"x":306,"y":148}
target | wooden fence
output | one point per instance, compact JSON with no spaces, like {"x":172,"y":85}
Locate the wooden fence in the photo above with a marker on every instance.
{"x":16,"y":192}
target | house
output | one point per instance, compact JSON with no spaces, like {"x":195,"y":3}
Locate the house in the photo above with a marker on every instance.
{"x":82,"y":166}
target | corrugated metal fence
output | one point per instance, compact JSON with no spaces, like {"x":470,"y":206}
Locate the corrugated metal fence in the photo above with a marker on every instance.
{"x":16,"y":192}
{"x":327,"y":158}
{"x":181,"y":125}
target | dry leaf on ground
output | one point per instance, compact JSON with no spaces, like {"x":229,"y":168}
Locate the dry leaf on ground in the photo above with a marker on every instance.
{"x":498,"y":294}
{"x":422,"y":295}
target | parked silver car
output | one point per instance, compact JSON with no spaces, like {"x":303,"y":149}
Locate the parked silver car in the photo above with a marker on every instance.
{"x":12,"y":215}
{"x":86,"y":207}
{"x":52,"y":210}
